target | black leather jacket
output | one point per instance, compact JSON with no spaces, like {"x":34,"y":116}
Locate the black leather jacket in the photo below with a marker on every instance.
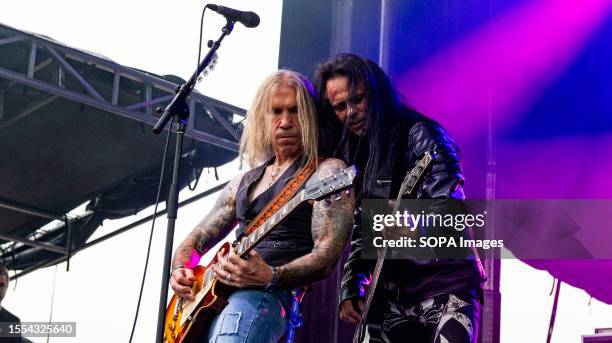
{"x":407,"y":144}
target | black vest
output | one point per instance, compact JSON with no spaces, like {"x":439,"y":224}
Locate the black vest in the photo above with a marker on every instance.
{"x":289,"y":239}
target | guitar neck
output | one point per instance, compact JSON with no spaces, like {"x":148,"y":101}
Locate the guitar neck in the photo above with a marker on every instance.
{"x":248,"y":242}
{"x":406,"y":188}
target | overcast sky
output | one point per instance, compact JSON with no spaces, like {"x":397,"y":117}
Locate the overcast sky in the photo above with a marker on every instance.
{"x":101,"y":289}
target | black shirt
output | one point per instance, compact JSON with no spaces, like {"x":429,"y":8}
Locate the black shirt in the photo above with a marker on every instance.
{"x":292,"y":237}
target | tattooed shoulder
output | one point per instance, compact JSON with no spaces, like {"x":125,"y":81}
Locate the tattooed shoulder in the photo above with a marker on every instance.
{"x":218,"y":219}
{"x":332,"y":219}
{"x":327,"y":168}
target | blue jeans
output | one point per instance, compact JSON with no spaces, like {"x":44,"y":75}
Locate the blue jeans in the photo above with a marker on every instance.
{"x":251,"y":316}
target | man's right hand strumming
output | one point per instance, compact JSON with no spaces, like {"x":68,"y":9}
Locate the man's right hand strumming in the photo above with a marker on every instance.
{"x":181,"y":281}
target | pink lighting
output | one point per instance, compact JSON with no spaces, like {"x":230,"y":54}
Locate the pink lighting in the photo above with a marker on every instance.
{"x":504,"y":66}
{"x":194,"y":260}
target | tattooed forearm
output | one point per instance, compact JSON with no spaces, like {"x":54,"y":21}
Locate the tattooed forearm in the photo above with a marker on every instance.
{"x":211,"y":228}
{"x":331,"y":227}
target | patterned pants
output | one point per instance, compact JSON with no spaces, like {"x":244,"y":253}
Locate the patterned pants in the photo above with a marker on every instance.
{"x":448,"y":318}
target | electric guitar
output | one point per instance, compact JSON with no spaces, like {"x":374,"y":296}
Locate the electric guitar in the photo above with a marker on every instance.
{"x":367,"y":331}
{"x":188,"y":321}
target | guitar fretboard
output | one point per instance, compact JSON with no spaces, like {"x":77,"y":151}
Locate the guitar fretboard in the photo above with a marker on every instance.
{"x":249,"y":242}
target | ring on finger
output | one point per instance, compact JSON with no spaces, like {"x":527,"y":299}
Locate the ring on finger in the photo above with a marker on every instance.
{"x":229,"y":277}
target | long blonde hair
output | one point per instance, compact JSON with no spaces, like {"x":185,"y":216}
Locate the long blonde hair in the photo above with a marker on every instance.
{"x":256,"y":143}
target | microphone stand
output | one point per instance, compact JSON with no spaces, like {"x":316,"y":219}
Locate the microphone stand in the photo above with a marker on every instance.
{"x":178,"y":108}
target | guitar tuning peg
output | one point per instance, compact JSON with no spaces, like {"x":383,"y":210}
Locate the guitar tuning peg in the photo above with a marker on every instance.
{"x":348,"y":192}
{"x":338,"y":196}
{"x":327,"y":202}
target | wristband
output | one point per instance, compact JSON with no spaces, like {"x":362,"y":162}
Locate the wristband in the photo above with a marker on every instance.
{"x":179,"y":266}
{"x":275,"y":278}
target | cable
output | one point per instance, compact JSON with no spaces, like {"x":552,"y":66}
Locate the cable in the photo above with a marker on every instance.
{"x":196,"y":175}
{"x":201,"y":34}
{"x":191,"y":188}
{"x":159,"y":187}
{"x":553,"y":314}
{"x":159,"y":192}
{"x":52,"y":302}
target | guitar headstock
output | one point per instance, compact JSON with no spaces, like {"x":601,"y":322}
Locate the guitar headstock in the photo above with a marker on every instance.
{"x":417,"y":172}
{"x":332,"y":184}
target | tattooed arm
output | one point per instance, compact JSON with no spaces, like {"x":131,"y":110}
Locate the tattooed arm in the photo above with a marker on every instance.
{"x":206,"y":234}
{"x":211,"y":229}
{"x":331,"y":227}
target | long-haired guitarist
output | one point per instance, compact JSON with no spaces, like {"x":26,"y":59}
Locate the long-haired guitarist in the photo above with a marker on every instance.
{"x":280,"y":138}
{"x":369,"y":124}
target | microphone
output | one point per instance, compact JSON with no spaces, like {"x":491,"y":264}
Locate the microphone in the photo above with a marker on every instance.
{"x":248,"y":19}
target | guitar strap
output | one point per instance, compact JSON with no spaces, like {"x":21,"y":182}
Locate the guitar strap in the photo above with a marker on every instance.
{"x":283,"y":196}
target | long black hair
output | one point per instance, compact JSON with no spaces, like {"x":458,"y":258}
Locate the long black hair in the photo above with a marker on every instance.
{"x":386,"y":108}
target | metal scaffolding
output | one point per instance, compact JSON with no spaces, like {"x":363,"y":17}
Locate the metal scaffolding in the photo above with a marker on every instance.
{"x":45,"y":53}
{"x":35,"y":64}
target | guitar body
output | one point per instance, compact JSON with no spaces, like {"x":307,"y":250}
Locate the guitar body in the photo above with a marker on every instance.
{"x":369,"y":329}
{"x":188,"y":322}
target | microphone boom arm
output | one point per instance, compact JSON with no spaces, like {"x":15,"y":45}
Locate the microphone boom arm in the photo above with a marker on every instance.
{"x":178,"y":105}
